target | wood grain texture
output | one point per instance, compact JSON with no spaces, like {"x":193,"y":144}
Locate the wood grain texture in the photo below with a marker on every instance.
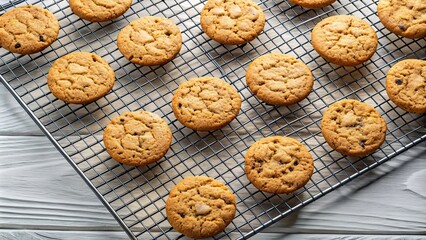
{"x":39,"y":190}
{"x":105,"y":235}
{"x":14,"y":120}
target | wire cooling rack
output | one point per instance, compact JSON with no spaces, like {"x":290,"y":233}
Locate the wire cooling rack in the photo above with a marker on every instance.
{"x":136,"y":196}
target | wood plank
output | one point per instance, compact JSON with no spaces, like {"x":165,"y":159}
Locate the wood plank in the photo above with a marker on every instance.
{"x":112,"y":235}
{"x":39,"y":190}
{"x":14,"y":120}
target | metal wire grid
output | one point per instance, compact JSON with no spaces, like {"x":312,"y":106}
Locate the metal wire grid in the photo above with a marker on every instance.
{"x":136,"y":195}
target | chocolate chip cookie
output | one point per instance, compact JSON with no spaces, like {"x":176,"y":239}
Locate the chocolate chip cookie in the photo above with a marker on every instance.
{"x":200,"y":207}
{"x":313,"y":4}
{"x":344,"y":40}
{"x":137,"y":138}
{"x":353,"y":128}
{"x":150,"y":41}
{"x":406,"y":85}
{"x":28,"y":29}
{"x":206,"y":103}
{"x":99,"y":10}
{"x":232,"y":21}
{"x":80,"y":77}
{"x":406,"y":18}
{"x":279,"y":79}
{"x":278,"y":164}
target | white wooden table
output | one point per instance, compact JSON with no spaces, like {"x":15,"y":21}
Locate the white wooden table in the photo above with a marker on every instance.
{"x":41,"y":197}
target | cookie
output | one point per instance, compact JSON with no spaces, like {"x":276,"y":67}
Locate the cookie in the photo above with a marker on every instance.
{"x":206,"y":103}
{"x":406,"y":85}
{"x":232,"y":21}
{"x":28,"y":29}
{"x":150,"y":41}
{"x":344,"y":40}
{"x":353,"y":128}
{"x":313,"y":4}
{"x":80,"y":77}
{"x":278,"y":164}
{"x":99,"y":10}
{"x":137,"y":138}
{"x":200,"y":207}
{"x":406,"y":18}
{"x":279,"y":79}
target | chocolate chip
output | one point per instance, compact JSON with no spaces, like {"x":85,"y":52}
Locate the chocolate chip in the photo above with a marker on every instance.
{"x":362,"y":143}
{"x":41,"y":39}
{"x":398,"y":82}
{"x":402,"y":27}
{"x":18,"y":45}
{"x":121,"y":120}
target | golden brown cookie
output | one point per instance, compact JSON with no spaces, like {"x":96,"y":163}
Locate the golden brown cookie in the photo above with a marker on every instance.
{"x":200,"y":207}
{"x":278,"y":164}
{"x":206,"y":103}
{"x":99,"y":10}
{"x":313,"y":4}
{"x":406,"y":85}
{"x":150,"y":41}
{"x":80,"y":77}
{"x":353,"y":128}
{"x":28,"y":29}
{"x":405,"y":18}
{"x":137,"y":138}
{"x":279,"y":79}
{"x":344,"y":40}
{"x":232,"y":21}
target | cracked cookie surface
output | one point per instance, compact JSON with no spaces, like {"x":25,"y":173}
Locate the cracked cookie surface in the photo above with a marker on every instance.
{"x":232,"y":21}
{"x":313,"y":4}
{"x":405,"y":18}
{"x":344,"y":40}
{"x":137,"y":138}
{"x":353,"y":128}
{"x":200,"y":207}
{"x":206,"y":103}
{"x":406,"y":85}
{"x":279,"y":79}
{"x":80,"y":77}
{"x":99,"y":10}
{"x":278,"y":164}
{"x":150,"y":41}
{"x":28,"y":29}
